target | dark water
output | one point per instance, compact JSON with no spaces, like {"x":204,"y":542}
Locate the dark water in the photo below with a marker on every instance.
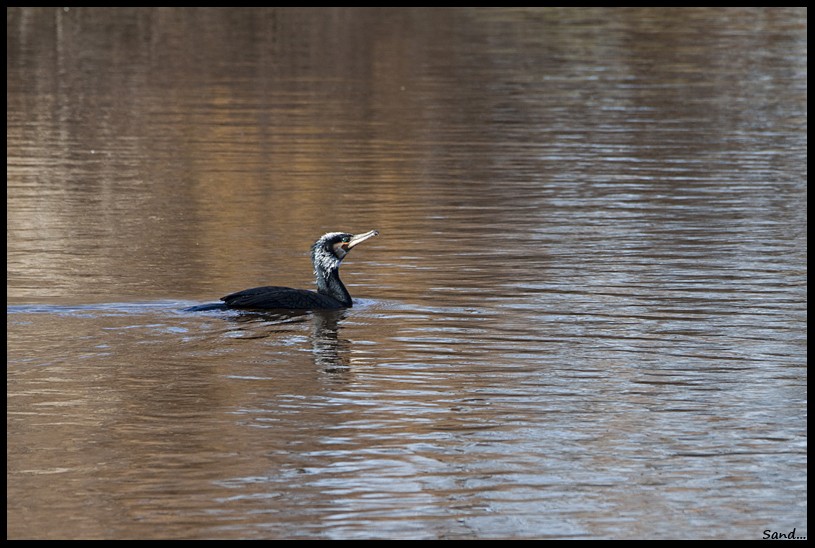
{"x":585,"y":315}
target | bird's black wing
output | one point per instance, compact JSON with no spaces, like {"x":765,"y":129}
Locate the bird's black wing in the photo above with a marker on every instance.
{"x":276,"y":297}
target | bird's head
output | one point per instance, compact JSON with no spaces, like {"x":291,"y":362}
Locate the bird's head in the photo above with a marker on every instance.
{"x":328,"y":252}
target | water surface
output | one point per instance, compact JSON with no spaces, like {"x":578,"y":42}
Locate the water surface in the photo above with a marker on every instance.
{"x":585,"y":316}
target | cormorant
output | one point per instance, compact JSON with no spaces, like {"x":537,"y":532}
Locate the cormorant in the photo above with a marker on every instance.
{"x":327,"y":254}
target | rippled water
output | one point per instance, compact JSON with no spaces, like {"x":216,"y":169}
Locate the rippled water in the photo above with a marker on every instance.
{"x":585,"y":315}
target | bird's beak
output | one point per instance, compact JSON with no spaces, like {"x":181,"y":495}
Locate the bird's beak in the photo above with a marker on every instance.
{"x":359,"y":238}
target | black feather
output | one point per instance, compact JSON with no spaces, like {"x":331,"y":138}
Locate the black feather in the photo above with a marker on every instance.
{"x":269,"y":297}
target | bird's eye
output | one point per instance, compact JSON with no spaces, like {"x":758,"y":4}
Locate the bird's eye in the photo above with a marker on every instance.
{"x":346,"y":239}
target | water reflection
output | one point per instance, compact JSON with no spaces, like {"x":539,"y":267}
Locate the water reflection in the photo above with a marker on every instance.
{"x":330,"y":351}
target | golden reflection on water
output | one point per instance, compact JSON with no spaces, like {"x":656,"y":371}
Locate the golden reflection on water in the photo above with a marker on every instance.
{"x":585,"y":315}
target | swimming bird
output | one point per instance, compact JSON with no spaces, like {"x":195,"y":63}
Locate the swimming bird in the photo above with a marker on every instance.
{"x":327,"y":254}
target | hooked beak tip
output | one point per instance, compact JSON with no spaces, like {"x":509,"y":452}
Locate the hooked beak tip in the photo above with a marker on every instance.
{"x":359,"y":238}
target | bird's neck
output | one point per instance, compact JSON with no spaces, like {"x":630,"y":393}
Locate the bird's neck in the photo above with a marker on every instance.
{"x":330,"y":284}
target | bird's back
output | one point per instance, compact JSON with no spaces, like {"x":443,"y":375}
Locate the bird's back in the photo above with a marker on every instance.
{"x":271,"y":297}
